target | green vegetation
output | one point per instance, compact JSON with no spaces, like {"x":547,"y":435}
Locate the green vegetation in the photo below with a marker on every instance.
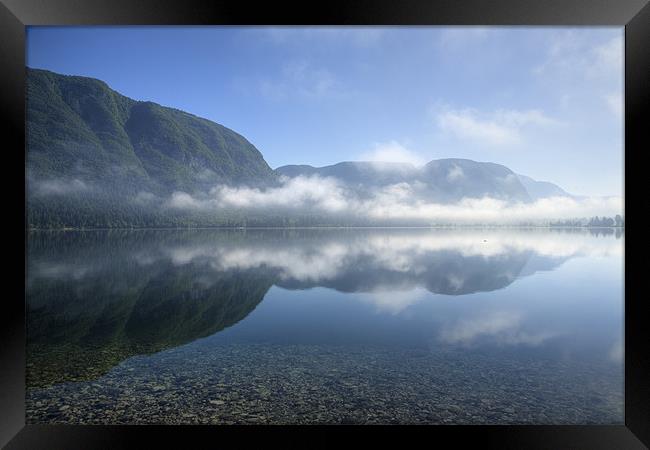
{"x":616,"y":221}
{"x":91,"y":150}
{"x":98,"y":159}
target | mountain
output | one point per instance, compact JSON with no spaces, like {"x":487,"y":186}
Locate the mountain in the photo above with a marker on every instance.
{"x":443,"y":180}
{"x":356,"y":172}
{"x":82,"y":134}
{"x":98,"y":159}
{"x":542,"y":189}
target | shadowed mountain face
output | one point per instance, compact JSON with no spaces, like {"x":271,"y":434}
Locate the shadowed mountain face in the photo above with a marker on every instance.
{"x":97,"y":298}
{"x":442,"y":181}
{"x":356,"y":173}
{"x":542,"y":189}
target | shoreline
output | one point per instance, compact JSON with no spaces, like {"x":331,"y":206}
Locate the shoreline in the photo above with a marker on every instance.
{"x":336,"y":227}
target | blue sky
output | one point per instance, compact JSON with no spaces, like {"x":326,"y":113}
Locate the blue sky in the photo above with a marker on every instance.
{"x":545,"y":101}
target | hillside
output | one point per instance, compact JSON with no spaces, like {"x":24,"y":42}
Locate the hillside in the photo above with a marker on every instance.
{"x":82,"y":133}
{"x":98,"y":159}
{"x":442,"y":180}
{"x":542,"y":189}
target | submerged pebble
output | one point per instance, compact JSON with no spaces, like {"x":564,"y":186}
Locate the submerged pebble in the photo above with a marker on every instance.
{"x":305,"y":384}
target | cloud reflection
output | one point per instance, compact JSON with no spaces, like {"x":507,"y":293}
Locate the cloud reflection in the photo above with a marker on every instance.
{"x":389,"y":264}
{"x":502,"y":327}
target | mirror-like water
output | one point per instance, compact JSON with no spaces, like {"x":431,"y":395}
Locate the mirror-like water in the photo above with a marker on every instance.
{"x":325,"y":326}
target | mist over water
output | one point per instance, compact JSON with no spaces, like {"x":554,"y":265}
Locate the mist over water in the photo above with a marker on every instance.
{"x":404,"y":201}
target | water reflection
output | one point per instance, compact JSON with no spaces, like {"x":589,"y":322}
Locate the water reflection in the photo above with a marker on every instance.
{"x":95,"y":299}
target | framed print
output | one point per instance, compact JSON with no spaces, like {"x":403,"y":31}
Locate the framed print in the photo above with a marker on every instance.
{"x":310,"y":220}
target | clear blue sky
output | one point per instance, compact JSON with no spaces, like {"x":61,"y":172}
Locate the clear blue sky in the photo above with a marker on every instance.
{"x":545,"y":101}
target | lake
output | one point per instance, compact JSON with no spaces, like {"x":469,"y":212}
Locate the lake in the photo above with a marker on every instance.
{"x":331,"y":326}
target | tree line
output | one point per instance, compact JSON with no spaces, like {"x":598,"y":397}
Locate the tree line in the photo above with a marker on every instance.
{"x":616,"y":221}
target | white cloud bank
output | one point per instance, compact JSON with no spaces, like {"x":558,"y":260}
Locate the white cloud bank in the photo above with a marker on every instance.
{"x":399,"y":201}
{"x":390,"y":152}
{"x":322,"y":194}
{"x":59,"y":187}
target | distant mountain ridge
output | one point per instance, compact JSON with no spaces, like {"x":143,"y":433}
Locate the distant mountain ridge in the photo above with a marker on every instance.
{"x":442,"y":180}
{"x":542,"y":189}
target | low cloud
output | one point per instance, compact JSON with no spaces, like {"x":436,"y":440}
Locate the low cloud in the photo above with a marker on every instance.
{"x":493,"y":211}
{"x":455,"y":173}
{"x":299,"y":193}
{"x":60,"y":270}
{"x":59,"y":187}
{"x":401,"y":201}
{"x":145,"y":198}
{"x":392,"y":151}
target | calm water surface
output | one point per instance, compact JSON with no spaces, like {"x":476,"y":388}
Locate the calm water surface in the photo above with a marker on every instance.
{"x":500,"y":326}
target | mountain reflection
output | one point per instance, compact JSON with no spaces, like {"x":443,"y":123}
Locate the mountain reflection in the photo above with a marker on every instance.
{"x":97,"y":298}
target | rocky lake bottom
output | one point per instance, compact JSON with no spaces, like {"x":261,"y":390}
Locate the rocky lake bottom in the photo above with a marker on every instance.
{"x":313,"y":384}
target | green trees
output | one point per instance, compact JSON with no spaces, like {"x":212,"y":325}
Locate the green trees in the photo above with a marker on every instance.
{"x":90,"y":151}
{"x":602,"y":222}
{"x":596,"y":221}
{"x":97,"y":159}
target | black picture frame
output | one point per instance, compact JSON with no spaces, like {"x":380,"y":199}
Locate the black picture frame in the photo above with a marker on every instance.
{"x":634,"y":15}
